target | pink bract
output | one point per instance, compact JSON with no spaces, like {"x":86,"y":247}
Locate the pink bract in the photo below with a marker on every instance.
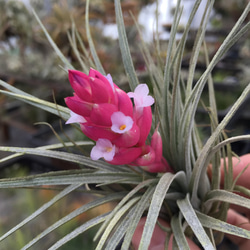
{"x":126,"y":155}
{"x":129,"y":138}
{"x":106,"y":115}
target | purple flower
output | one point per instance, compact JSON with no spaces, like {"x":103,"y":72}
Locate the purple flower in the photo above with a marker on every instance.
{"x":103,"y":149}
{"x":75,"y":118}
{"x":121,"y":123}
{"x":141,"y":97}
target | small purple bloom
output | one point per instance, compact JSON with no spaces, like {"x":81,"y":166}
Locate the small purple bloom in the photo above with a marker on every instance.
{"x":75,"y":118}
{"x":121,"y":123}
{"x":109,"y":78}
{"x":103,"y":148}
{"x":141,"y":97}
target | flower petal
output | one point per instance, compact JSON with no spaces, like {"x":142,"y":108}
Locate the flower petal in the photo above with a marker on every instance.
{"x":103,"y":148}
{"x":141,"y":97}
{"x":121,"y":123}
{"x":109,"y":78}
{"x":75,"y":118}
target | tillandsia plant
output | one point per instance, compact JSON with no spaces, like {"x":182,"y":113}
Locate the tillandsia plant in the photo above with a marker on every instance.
{"x":149,"y":160}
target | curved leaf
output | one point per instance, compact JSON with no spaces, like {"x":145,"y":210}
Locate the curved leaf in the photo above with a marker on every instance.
{"x":68,"y":177}
{"x":190,"y":216}
{"x":116,"y":238}
{"x":155,"y":206}
{"x":226,"y":196}
{"x":117,"y":217}
{"x":126,"y":56}
{"x":229,"y":140}
{"x":91,"y":43}
{"x":71,"y":157}
{"x":41,"y":104}
{"x":203,"y":159}
{"x":52,"y":43}
{"x":59,"y":196}
{"x":134,"y":219}
{"x":179,"y":235}
{"x":89,"y":224}
{"x":50,"y":147}
{"x":126,"y":198}
{"x":218,"y":225}
{"x":70,"y":216}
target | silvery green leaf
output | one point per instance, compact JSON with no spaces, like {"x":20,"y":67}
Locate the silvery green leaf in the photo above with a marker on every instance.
{"x":89,"y":224}
{"x":56,"y":198}
{"x":70,"y":216}
{"x":155,"y":206}
{"x":124,"y":46}
{"x":190,"y":216}
{"x":91,"y":43}
{"x":218,"y":225}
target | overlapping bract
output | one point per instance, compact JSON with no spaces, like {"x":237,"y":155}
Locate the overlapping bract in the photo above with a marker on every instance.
{"x":106,"y":115}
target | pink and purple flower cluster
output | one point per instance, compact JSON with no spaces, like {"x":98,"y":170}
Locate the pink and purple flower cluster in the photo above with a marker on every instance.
{"x":107,"y":115}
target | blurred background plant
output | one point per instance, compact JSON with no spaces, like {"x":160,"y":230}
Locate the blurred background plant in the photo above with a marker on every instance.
{"x":28,"y":62}
{"x":16,"y":205}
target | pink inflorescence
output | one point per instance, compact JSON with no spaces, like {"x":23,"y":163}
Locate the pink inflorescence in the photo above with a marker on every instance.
{"x":106,"y":115}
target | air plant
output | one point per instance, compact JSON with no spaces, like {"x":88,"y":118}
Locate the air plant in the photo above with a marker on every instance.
{"x":154,"y":164}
